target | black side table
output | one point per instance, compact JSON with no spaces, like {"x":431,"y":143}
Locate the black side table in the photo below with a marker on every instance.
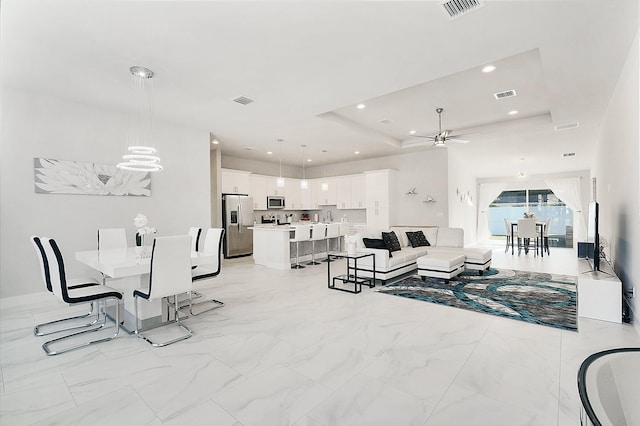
{"x":352,"y":272}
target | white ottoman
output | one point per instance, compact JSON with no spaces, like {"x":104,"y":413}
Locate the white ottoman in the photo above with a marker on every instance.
{"x":440,"y":265}
{"x":477,"y":259}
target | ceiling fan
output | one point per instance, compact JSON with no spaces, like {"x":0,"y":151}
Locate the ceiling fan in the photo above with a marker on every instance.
{"x":443,"y":136}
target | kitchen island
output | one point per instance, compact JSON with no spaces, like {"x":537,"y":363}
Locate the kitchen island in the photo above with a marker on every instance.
{"x":271,"y":246}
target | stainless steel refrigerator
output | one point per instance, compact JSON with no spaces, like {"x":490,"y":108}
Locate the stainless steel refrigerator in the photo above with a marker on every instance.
{"x":237,"y":217}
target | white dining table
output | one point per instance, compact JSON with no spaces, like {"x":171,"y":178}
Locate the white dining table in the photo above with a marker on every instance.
{"x":127,"y":270}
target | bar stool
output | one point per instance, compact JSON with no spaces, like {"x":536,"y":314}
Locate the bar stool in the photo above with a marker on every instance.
{"x":333,"y":232}
{"x":344,"y":230}
{"x":301,"y":233}
{"x":318,"y":232}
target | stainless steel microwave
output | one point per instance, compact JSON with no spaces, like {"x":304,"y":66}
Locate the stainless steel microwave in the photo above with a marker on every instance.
{"x":275,"y":202}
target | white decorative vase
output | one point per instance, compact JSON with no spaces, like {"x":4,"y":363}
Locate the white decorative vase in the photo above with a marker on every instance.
{"x":350,"y":243}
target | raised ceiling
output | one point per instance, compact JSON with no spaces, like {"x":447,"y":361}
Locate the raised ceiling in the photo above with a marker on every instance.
{"x":307,"y":65}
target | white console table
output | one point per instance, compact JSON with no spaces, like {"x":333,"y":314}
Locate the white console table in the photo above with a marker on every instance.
{"x":599,"y":293}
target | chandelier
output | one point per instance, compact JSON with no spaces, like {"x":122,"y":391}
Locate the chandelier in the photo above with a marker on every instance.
{"x":141,"y":156}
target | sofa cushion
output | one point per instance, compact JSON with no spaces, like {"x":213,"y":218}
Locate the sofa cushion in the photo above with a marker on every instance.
{"x":431,"y":234}
{"x":391,"y":241}
{"x":417,"y":239}
{"x":375,"y":243}
{"x":450,"y":237}
{"x":412,"y":253}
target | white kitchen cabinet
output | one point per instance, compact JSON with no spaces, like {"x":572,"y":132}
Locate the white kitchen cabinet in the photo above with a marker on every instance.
{"x":309,"y":198}
{"x":292,"y":194}
{"x":272,"y":186}
{"x":350,"y":192}
{"x":358,"y":192}
{"x":328,"y":197}
{"x":343,"y":192}
{"x":258,"y":190}
{"x":379,"y":199}
{"x":235,"y":181}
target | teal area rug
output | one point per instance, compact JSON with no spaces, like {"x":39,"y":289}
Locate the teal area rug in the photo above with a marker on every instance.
{"x":538,"y":298}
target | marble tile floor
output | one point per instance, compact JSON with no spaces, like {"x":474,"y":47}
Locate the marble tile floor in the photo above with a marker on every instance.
{"x":285,"y":350}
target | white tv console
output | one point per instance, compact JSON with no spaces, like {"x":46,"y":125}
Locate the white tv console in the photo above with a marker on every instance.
{"x":599,"y":293}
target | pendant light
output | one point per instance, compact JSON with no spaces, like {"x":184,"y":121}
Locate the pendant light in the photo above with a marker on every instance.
{"x":141,"y":156}
{"x":304,"y":183}
{"x":280,"y":179}
{"x":324,"y":186}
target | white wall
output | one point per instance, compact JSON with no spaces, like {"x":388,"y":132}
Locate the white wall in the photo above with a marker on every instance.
{"x":37,"y":126}
{"x":463,"y":198}
{"x":426,"y":171}
{"x":615,"y":167}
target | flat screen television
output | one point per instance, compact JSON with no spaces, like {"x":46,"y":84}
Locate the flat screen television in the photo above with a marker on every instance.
{"x":592,"y":233}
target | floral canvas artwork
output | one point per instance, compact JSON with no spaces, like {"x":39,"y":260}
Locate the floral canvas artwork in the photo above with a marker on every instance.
{"x":82,"y":178}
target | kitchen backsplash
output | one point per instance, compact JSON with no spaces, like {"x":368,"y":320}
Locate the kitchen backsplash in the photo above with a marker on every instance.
{"x":326,"y":214}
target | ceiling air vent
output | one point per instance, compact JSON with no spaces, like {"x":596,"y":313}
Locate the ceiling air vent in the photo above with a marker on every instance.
{"x":569,"y":154}
{"x":567,"y":126}
{"x":505,"y":94}
{"x":456,"y":8}
{"x":386,"y":121}
{"x":243,"y":100}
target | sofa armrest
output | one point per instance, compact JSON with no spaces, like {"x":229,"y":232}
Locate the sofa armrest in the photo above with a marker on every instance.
{"x":381,"y":255}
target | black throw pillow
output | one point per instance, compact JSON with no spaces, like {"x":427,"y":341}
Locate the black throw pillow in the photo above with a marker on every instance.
{"x":417,"y":239}
{"x":375,"y":243}
{"x":391,"y":241}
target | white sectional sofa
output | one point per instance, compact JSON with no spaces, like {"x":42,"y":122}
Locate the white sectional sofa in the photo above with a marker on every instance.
{"x":442,"y":239}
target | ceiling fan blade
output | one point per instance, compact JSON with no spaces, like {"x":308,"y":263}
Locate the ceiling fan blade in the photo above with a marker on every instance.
{"x":460,"y":135}
{"x":457,"y":140}
{"x":420,"y":136}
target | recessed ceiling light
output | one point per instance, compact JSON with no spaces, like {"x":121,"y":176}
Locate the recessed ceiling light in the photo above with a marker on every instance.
{"x":412,"y":132}
{"x":489,"y":68}
{"x":269,"y":153}
{"x":361,"y":106}
{"x":215,"y":142}
{"x":512,"y":112}
{"x":357,"y":152}
{"x":309,"y":160}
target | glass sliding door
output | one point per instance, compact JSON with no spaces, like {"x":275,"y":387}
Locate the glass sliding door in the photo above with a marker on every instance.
{"x":541,"y":202}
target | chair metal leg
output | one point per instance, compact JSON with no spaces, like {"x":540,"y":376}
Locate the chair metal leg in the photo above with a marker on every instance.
{"x":188,"y":332}
{"x":37,"y":330}
{"x":313,"y":254}
{"x":297,"y":264}
{"x":328,"y":250}
{"x":47,"y":345}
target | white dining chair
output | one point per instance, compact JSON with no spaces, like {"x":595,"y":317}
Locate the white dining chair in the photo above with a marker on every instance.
{"x":301,"y":233}
{"x":76,"y":295}
{"x":112,"y":238}
{"x":527,"y":233}
{"x":41,"y":329}
{"x":212,"y":247}
{"x":508,"y":228}
{"x":318,"y":233}
{"x":170,"y":275}
{"x":195,"y":232}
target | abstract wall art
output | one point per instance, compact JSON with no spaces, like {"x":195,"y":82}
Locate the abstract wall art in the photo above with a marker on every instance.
{"x":83,"y":178}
